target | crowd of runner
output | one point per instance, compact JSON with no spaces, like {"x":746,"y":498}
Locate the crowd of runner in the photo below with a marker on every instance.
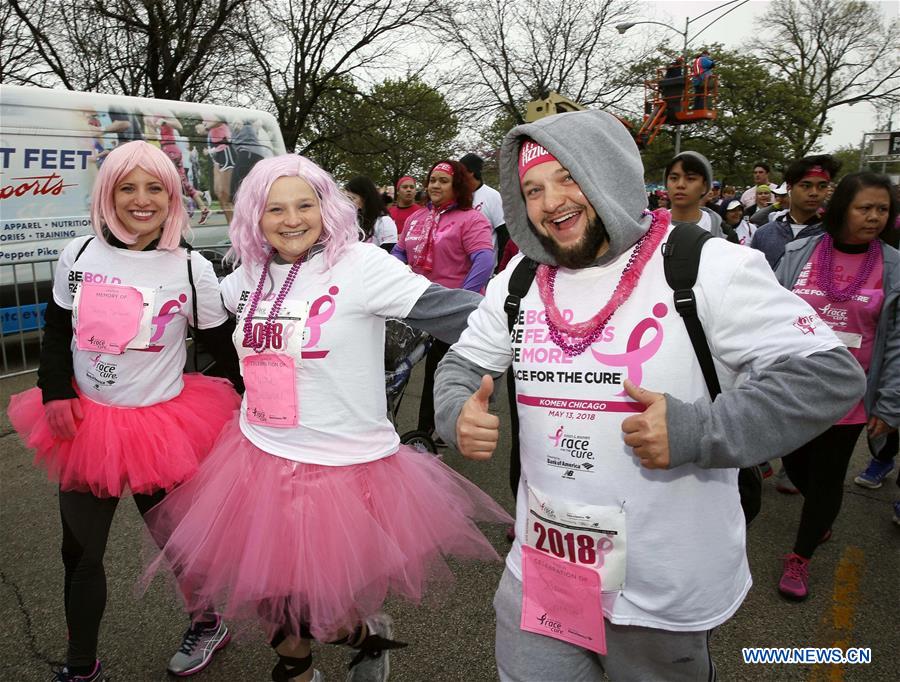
{"x":642,"y":407}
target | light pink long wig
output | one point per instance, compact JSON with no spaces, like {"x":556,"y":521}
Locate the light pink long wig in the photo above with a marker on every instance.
{"x":339,"y":226}
{"x":120,"y":162}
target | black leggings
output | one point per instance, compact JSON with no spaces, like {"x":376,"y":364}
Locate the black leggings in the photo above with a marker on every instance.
{"x":426,"y":408}
{"x":86,"y":520}
{"x":818,"y":470}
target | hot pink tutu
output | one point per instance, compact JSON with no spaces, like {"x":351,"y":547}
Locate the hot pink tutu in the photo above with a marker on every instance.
{"x":117,"y":449}
{"x":290,"y":544}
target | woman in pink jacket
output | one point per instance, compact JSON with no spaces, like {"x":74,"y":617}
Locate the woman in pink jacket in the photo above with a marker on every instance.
{"x":449,"y":242}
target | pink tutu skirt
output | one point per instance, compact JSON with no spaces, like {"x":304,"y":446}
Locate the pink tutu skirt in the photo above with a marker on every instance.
{"x":117,"y":449}
{"x":288,"y":544}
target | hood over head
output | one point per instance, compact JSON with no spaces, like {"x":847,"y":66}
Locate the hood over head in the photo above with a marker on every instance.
{"x":599,"y":152}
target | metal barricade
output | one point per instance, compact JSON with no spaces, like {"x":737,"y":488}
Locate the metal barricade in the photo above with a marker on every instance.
{"x":25,"y":289}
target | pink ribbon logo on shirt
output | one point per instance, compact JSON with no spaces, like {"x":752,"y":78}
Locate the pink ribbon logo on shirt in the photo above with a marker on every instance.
{"x":167,"y":313}
{"x":635,"y":354}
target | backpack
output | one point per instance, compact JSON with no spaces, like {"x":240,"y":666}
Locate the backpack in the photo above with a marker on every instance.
{"x":681,"y":261}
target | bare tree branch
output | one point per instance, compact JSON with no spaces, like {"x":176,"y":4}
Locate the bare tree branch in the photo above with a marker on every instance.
{"x":834,"y":52}
{"x":509,"y":53}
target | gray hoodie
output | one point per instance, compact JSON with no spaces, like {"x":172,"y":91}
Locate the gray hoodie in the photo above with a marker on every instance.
{"x":766,"y":416}
{"x":615,"y":190}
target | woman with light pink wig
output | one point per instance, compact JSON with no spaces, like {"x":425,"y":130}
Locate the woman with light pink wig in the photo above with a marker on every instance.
{"x":309,"y":512}
{"x":114,"y":413}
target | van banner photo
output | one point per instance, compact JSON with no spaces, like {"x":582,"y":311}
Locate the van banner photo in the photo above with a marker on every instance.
{"x":53,"y":142}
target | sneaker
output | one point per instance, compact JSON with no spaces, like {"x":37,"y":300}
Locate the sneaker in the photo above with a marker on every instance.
{"x":374,"y":666}
{"x":783,"y":483}
{"x":897,"y":512}
{"x":794,"y":583}
{"x":766,"y":470}
{"x":63,"y":675}
{"x":197,"y":648}
{"x":875,"y":473}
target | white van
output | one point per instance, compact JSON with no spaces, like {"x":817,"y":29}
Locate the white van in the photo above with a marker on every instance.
{"x":52,"y":143}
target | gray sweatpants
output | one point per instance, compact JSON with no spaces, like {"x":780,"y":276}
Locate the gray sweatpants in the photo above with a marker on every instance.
{"x":635,"y":654}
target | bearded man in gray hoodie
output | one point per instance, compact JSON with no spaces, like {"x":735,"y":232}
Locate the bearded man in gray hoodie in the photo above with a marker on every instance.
{"x":630,"y":537}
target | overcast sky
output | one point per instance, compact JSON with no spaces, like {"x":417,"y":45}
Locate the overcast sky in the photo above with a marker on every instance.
{"x":735,"y":30}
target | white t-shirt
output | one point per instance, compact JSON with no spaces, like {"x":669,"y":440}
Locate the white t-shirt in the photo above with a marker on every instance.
{"x":797,"y":228}
{"x":138,"y":378}
{"x":745,"y":230}
{"x":686,"y":568}
{"x":384,"y":231}
{"x":488,"y":201}
{"x":748,"y":198}
{"x":705,"y":221}
{"x":339,"y":377}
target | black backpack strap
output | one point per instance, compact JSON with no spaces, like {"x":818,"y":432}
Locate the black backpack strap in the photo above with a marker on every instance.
{"x":83,"y":247}
{"x":681,"y":261}
{"x":190,"y":270}
{"x":519,"y":284}
{"x":190,"y":274}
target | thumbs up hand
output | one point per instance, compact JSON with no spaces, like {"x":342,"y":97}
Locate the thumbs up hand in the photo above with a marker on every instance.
{"x":477,"y":430}
{"x":647,"y":433}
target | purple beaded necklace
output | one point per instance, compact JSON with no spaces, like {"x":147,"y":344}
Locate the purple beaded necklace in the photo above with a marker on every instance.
{"x":825,"y":274}
{"x":276,"y":307}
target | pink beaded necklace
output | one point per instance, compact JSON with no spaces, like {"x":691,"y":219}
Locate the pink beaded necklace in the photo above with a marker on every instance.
{"x":276,"y":307}
{"x":582,"y":335}
{"x":825,"y":274}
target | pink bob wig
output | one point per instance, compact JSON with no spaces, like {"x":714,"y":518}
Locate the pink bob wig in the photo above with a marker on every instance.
{"x":339,"y":226}
{"x":120,"y":162}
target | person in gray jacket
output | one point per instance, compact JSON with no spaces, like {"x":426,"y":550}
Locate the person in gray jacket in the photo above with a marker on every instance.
{"x":630,"y":536}
{"x":808,"y":181}
{"x":851,"y":276}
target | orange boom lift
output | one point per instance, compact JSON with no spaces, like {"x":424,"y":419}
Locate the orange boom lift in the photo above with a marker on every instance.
{"x":673,"y":101}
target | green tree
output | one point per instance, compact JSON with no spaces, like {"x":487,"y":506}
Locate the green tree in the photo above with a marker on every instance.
{"x":849,"y":157}
{"x":759,"y":116}
{"x":402,"y":127}
{"x":306,"y":51}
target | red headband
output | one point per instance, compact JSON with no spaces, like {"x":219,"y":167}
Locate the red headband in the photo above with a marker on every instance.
{"x":443,"y":167}
{"x":532,"y":154}
{"x":404,"y":179}
{"x":815,"y":172}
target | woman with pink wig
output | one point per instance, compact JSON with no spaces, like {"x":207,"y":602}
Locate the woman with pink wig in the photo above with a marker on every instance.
{"x":309,"y":512}
{"x":113,"y":412}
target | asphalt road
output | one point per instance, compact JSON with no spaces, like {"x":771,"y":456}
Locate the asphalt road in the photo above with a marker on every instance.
{"x":855,"y":599}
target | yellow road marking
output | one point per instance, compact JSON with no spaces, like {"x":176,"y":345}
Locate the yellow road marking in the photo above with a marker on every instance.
{"x":838,"y":622}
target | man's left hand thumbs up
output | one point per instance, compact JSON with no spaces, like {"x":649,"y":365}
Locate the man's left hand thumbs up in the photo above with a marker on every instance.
{"x":646,"y":433}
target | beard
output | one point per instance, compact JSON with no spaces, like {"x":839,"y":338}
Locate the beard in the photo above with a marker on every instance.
{"x":582,"y":253}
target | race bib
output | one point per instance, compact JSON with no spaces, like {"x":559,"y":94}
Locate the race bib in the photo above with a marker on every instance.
{"x":286,"y":330}
{"x":109,"y":318}
{"x":585,"y":535}
{"x":562,"y":600}
{"x":271,"y":393}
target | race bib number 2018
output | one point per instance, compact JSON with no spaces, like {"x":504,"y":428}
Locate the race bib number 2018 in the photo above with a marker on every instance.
{"x":586,"y":535}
